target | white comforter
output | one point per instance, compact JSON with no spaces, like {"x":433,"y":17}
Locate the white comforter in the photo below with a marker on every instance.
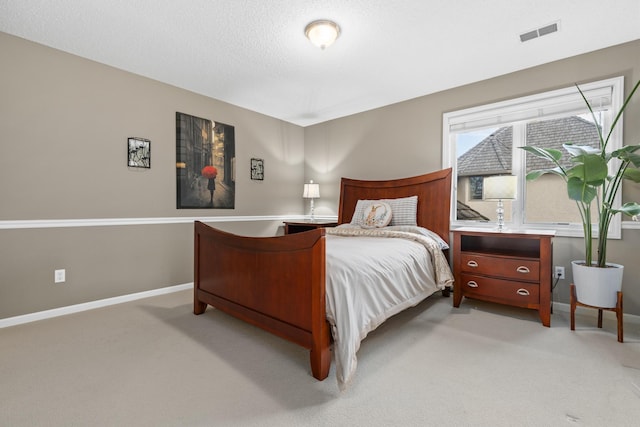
{"x":373,"y":274}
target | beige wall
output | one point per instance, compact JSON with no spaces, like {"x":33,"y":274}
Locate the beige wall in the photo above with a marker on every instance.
{"x":548,"y":190}
{"x":405,"y":139}
{"x":64,"y":125}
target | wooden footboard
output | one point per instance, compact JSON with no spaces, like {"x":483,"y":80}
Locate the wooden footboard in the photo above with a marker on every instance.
{"x":275,"y":283}
{"x":278,"y":283}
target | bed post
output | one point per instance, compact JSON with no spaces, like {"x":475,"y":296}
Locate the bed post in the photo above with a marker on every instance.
{"x":199,"y":307}
{"x":320,"y":354}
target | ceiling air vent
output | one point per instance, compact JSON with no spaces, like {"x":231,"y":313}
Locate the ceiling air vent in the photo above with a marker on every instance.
{"x":542,"y":31}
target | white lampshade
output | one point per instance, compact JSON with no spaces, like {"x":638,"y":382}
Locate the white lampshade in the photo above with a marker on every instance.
{"x":311,"y":190}
{"x":322,"y":33}
{"x":499,"y":187}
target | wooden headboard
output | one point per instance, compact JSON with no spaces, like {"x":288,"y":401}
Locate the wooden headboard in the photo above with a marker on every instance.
{"x":433,"y":191}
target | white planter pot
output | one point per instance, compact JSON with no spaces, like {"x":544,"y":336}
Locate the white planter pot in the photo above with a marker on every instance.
{"x":595,"y":286}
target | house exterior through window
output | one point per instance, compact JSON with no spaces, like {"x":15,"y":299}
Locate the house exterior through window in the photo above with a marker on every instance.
{"x":484,"y":141}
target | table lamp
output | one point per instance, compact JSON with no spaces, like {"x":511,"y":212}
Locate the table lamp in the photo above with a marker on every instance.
{"x":499,"y":187}
{"x":311,"y":191}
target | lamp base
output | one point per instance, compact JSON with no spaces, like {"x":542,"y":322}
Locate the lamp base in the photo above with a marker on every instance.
{"x":500,"y":213}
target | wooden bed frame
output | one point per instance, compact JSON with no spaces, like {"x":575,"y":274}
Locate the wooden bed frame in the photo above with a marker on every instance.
{"x":278,"y":283}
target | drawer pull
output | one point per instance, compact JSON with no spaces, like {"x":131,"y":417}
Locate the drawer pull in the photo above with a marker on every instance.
{"x":522,"y":292}
{"x":472,"y":263}
{"x":472,"y":284}
{"x":523,"y":269}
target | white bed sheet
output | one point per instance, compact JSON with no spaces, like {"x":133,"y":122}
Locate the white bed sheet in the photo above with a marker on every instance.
{"x":369,"y":279}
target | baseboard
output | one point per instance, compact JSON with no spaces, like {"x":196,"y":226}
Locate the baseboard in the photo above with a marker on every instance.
{"x":62,"y":311}
{"x":590,"y":312}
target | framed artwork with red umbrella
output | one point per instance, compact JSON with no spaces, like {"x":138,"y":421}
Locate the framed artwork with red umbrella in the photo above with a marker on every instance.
{"x":205,"y":160}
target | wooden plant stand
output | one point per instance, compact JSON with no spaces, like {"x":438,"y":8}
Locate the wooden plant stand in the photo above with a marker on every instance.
{"x":617,"y":309}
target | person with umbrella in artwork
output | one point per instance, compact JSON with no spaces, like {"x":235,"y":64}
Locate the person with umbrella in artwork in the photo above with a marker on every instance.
{"x":210,"y":172}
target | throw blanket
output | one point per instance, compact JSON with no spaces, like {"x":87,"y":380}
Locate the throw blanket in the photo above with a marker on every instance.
{"x":373,"y":274}
{"x":442,"y":271}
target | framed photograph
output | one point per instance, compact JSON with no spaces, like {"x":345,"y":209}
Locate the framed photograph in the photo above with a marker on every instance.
{"x":139,"y":153}
{"x":205,"y":160}
{"x":257,"y":169}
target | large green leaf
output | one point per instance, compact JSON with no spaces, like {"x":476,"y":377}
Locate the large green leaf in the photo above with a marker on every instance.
{"x":631,"y":209}
{"x":632,"y":174}
{"x":628,"y":152}
{"x":535,"y":174}
{"x":590,"y":168}
{"x":550,"y":154}
{"x":635,"y":159}
{"x":580,"y":191}
{"x":579,"y":150}
{"x":629,"y":148}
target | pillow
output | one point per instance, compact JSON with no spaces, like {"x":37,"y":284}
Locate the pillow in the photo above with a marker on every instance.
{"x":404,"y":210}
{"x":376,"y":215}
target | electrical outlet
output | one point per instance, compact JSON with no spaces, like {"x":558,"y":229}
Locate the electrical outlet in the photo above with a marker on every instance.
{"x":559,"y":272}
{"x":59,"y":276}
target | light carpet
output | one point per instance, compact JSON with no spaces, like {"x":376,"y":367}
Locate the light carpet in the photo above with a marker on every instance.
{"x":153,"y":363}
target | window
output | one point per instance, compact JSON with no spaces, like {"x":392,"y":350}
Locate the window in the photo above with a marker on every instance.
{"x":483,"y":141}
{"x":475,"y":187}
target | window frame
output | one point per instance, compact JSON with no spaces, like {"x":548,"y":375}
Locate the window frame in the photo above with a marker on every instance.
{"x":491,"y":114}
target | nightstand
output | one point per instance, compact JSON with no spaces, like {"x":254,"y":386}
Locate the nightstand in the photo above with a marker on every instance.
{"x":291,"y":227}
{"x":508,"y":267}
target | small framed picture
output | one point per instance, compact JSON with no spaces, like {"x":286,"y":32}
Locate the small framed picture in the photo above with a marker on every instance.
{"x":257,"y":169}
{"x":139,"y":153}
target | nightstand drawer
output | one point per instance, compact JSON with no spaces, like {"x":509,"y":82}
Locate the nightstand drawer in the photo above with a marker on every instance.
{"x":504,"y":291}
{"x":508,"y":268}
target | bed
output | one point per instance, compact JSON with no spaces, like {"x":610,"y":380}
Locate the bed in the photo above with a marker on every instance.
{"x":286,"y":284}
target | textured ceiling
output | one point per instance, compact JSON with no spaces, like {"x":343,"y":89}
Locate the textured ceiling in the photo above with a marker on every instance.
{"x":253,"y":53}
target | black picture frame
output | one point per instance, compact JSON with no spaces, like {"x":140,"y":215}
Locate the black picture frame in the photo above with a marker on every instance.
{"x":139,"y":152}
{"x":257,"y":169}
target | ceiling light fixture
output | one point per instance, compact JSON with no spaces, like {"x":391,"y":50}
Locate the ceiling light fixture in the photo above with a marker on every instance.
{"x":322,"y":33}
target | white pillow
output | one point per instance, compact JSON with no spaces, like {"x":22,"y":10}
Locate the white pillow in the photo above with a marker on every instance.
{"x":376,"y":215}
{"x":404,"y":210}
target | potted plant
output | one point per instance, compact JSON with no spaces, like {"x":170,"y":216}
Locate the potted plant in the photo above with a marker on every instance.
{"x":591,"y":186}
